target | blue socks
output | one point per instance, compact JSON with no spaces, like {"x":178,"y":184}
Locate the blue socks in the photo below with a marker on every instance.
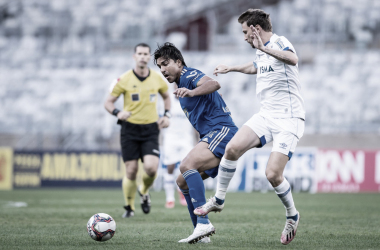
{"x":219,"y":201}
{"x":190,"y":206}
{"x":295,"y":217}
{"x":197,"y":192}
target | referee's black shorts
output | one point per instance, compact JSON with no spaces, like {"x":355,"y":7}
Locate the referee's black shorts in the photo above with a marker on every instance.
{"x":138,"y":140}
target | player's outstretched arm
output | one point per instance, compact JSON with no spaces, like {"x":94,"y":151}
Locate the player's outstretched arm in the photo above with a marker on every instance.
{"x":247,"y":68}
{"x":205,"y":86}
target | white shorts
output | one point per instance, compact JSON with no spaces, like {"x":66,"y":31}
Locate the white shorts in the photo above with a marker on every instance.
{"x":284,"y":132}
{"x":176,"y":148}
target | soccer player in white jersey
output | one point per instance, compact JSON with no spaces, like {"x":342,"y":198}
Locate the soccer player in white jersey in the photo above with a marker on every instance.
{"x":178,"y":141}
{"x":281,"y":117}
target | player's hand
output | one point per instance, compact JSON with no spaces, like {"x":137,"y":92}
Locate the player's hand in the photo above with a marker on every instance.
{"x":124,"y":115}
{"x":183,"y":92}
{"x":256,"y":39}
{"x":221,"y":69}
{"x":163,"y":122}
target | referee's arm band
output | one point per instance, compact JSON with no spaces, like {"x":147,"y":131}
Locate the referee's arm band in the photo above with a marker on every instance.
{"x":115,"y":112}
{"x":167,"y":114}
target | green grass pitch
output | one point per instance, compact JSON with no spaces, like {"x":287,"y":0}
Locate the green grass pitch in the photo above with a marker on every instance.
{"x":56,"y":219}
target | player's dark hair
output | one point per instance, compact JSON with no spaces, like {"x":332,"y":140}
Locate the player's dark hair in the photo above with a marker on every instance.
{"x":168,"y":51}
{"x":254,"y":17}
{"x":142,"y":45}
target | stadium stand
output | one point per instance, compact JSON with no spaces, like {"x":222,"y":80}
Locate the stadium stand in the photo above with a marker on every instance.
{"x":57,"y":59}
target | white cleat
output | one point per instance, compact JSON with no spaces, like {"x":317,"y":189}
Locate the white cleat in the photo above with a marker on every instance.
{"x":290,"y":230}
{"x":208,"y":207}
{"x":204,"y":240}
{"x":201,"y":231}
{"x":183,"y":240}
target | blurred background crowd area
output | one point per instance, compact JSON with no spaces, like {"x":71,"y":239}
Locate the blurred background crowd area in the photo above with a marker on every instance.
{"x":59,"y":57}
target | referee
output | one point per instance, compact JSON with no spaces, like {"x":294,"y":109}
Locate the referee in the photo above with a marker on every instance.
{"x":140,"y":125}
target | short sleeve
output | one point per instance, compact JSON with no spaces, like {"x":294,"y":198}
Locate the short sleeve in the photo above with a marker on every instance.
{"x":115,"y":88}
{"x":254,"y":63}
{"x":284,"y":44}
{"x":163,"y":85}
{"x":192,"y":78}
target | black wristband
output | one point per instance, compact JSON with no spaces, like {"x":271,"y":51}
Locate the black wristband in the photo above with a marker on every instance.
{"x":167,"y":114}
{"x":115,"y":112}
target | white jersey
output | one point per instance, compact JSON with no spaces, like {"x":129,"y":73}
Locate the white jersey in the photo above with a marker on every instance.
{"x":278,"y":87}
{"x":178,"y":138}
{"x":180,"y":126}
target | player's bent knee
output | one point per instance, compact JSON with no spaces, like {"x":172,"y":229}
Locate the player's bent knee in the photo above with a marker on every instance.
{"x":186,"y":165}
{"x":150,"y":169}
{"x":181,"y":182}
{"x":274,"y":178}
{"x":183,"y":168}
{"x":131,"y":175}
{"x":232,"y":152}
{"x":131,"y":171}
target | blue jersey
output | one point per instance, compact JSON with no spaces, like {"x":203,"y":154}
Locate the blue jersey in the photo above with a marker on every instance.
{"x":205,"y":112}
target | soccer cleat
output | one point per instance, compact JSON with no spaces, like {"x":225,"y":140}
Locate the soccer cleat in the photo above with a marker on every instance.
{"x":169,"y":204}
{"x":145,"y":202}
{"x":208,"y":207}
{"x":204,"y":240}
{"x":128,"y":212}
{"x":182,"y":199}
{"x":201,"y":231}
{"x":290,"y":230}
{"x":183,"y":240}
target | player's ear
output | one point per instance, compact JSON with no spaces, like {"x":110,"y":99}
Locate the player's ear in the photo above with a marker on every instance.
{"x":258,"y":27}
{"x":179,"y":63}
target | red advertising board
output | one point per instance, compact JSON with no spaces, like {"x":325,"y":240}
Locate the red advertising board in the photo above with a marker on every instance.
{"x":348,"y":171}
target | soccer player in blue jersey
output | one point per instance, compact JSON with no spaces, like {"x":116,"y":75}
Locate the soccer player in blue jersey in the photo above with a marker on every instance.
{"x":210,"y":116}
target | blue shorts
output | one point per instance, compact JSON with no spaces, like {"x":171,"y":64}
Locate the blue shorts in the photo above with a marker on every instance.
{"x":217,"y":140}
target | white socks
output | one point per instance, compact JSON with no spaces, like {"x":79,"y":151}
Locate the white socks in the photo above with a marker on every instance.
{"x":227,"y":170}
{"x":169,"y":186}
{"x":284,"y":192}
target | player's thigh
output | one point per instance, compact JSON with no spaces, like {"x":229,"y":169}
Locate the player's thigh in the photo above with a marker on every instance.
{"x":286,"y":134}
{"x":129,"y":141}
{"x":255,"y":133}
{"x":130,"y":148}
{"x":149,"y":147}
{"x":242,"y":141}
{"x":200,"y":158}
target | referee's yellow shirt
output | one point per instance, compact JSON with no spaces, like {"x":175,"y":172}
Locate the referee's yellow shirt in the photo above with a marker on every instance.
{"x":140,"y":97}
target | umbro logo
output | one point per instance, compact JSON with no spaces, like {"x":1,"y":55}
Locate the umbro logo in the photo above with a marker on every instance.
{"x":156,"y":151}
{"x":283,"y":145}
{"x":193,"y":200}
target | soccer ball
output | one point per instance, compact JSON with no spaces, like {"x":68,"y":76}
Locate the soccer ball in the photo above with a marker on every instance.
{"x":101,"y":227}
